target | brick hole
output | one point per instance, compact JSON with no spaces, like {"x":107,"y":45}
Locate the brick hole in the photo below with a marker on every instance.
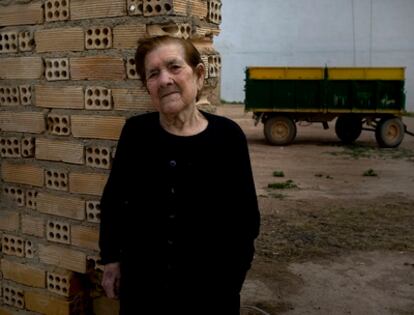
{"x":90,"y":42}
{"x":97,"y":31}
{"x":6,"y":37}
{"x":97,"y":92}
{"x":89,"y":92}
{"x":65,"y":13}
{"x":57,"y":4}
{"x":57,"y":13}
{"x":105,"y":103}
{"x":64,"y":3}
{"x":105,"y":41}
{"x":158,"y":8}
{"x":90,"y":32}
{"x":51,"y":286}
{"x":97,"y":102}
{"x":97,"y":42}
{"x":131,"y":61}
{"x":148,"y":8}
{"x":49,"y":74}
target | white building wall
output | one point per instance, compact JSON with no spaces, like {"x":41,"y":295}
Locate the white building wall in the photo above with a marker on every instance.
{"x":314,"y":33}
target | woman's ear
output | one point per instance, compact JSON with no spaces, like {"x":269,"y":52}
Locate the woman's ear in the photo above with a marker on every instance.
{"x":200,"y":72}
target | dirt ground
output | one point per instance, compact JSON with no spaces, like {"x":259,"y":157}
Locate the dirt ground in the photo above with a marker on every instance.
{"x":337,"y":233}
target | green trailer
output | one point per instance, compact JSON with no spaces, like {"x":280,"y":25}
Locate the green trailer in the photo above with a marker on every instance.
{"x":358,"y":98}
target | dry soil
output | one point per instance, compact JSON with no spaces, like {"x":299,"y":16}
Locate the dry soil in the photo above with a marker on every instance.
{"x":337,"y":237}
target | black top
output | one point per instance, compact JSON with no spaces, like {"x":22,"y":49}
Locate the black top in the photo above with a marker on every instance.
{"x":180,"y":211}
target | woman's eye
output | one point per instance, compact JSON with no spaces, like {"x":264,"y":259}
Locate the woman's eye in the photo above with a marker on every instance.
{"x":175,"y":67}
{"x":151,"y":75}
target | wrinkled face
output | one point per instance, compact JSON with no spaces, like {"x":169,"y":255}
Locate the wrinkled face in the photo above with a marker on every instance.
{"x":171,"y":82}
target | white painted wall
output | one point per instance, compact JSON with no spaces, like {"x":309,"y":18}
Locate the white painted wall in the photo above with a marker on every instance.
{"x":314,"y":33}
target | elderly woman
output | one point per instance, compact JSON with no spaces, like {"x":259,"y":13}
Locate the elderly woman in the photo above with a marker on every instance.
{"x":179,"y":212}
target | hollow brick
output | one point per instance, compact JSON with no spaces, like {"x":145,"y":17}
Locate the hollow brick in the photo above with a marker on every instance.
{"x":90,"y":9}
{"x":60,"y":39}
{"x":32,"y":122}
{"x":136,"y":99}
{"x":97,"y":127}
{"x":97,"y":68}
{"x":21,"y":68}
{"x":89,"y":184}
{"x":22,"y":174}
{"x":44,"y":303}
{"x":63,"y":206}
{"x":60,"y":151}
{"x":85,"y":237}
{"x":127,"y":36}
{"x":63,"y":257}
{"x":9,"y":221}
{"x":23,"y":273}
{"x":34,"y":226}
{"x":22,"y":14}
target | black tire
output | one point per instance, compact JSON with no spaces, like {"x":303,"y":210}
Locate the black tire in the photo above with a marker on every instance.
{"x":348,"y":128}
{"x":390,"y":132}
{"x":280,"y":130}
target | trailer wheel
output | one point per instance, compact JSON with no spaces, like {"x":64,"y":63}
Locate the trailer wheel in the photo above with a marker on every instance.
{"x":280,"y":130}
{"x":389,"y":132}
{"x":348,"y":128}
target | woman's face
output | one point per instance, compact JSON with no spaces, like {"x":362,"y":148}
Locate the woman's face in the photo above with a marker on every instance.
{"x":171,"y":82}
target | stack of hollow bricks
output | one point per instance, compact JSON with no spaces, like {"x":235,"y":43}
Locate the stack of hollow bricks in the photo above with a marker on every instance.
{"x":67,"y":84}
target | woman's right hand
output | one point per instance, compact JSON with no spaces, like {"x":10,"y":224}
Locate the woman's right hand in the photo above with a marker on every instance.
{"x":111,"y":278}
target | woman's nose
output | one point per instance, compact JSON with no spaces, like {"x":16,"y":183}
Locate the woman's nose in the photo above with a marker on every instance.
{"x":165,"y":78}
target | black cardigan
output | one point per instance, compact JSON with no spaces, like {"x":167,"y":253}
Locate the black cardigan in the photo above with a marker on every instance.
{"x":180,"y":211}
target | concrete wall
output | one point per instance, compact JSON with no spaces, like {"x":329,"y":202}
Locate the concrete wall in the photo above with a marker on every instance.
{"x":315,"y":33}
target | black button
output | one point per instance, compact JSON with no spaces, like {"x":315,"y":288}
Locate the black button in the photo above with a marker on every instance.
{"x":173,"y":163}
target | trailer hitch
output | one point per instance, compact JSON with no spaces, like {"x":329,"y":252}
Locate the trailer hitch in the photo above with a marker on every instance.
{"x":408,"y":132}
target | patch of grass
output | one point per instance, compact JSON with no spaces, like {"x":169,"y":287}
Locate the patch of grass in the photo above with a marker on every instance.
{"x":278,"y":174}
{"x":289,"y":184}
{"x":356,"y":151}
{"x":300,"y":235}
{"x":321,"y":175}
{"x":370,"y":172}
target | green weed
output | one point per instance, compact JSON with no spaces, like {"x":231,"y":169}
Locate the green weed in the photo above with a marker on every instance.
{"x":289,"y":184}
